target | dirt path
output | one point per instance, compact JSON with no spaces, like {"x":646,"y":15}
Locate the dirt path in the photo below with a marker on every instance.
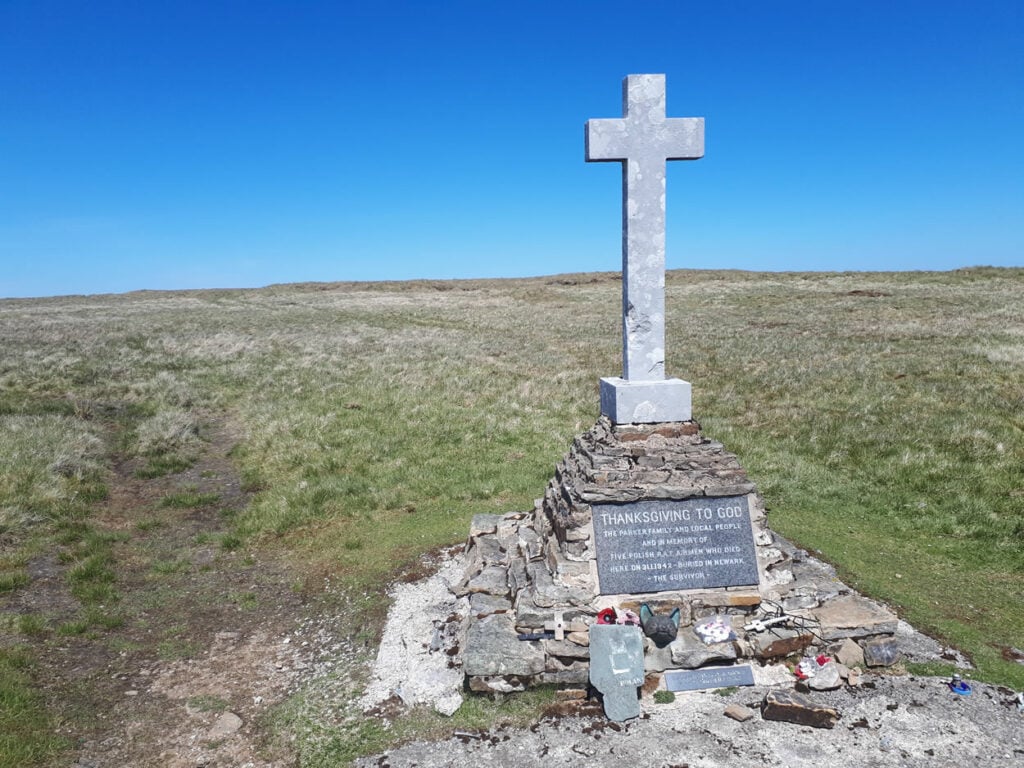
{"x":212,"y":636}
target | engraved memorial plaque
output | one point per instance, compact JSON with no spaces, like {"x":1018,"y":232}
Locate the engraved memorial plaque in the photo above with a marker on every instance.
{"x":655,"y":546}
{"x":709,"y":677}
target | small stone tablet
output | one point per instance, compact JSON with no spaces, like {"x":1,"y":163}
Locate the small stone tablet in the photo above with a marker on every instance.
{"x":617,"y":668}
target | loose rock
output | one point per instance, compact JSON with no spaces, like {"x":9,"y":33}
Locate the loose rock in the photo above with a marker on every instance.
{"x":849,"y":654}
{"x":226,"y":725}
{"x":738,"y":712}
{"x":794,"y":708}
{"x":826,"y":678}
{"x":882,"y":652}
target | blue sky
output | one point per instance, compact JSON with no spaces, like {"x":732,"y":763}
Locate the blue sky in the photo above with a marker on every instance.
{"x":236,"y":144}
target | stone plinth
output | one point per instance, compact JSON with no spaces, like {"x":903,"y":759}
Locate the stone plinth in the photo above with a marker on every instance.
{"x":645,"y":402}
{"x":532,"y":577}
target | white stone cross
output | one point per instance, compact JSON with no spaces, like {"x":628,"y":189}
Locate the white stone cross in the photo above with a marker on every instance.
{"x":643,"y":139}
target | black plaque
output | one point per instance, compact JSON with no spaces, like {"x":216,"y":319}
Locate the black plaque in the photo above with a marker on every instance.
{"x":709,"y":677}
{"x":655,"y":546}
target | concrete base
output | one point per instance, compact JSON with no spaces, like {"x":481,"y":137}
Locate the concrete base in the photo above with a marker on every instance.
{"x":645,"y":402}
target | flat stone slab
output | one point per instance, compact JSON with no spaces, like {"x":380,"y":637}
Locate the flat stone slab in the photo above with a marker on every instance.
{"x":493,"y":648}
{"x":854,"y":616}
{"x":489,"y":550}
{"x":617,"y":668}
{"x":566,"y":649}
{"x":483,"y":524}
{"x":776,"y":643}
{"x":689,"y":652}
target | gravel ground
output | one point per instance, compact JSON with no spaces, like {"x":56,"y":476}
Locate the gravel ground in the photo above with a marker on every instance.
{"x":901,"y":721}
{"x":890,"y":721}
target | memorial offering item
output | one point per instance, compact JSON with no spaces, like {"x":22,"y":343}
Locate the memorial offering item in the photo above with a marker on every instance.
{"x":642,"y":140}
{"x":716,"y":630}
{"x":959,"y":686}
{"x":661,"y":629}
{"x":617,"y":668}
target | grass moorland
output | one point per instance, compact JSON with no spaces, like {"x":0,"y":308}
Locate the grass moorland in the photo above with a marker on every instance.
{"x":881,"y":414}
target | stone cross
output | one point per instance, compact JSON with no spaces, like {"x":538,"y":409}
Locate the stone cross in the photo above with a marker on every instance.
{"x":643,"y":139}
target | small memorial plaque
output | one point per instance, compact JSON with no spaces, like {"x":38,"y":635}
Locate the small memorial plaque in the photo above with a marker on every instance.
{"x":654,"y":546}
{"x":709,"y":677}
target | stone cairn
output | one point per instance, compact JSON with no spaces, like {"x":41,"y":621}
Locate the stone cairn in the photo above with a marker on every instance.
{"x":534,"y":575}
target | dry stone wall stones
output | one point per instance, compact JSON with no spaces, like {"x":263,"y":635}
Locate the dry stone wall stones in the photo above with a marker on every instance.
{"x":526,"y":567}
{"x":483,"y":524}
{"x":492,"y":648}
{"x":483,"y":604}
{"x":497,"y":684}
{"x":492,"y":580}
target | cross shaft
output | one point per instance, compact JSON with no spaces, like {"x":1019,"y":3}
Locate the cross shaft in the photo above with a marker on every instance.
{"x":643,"y":140}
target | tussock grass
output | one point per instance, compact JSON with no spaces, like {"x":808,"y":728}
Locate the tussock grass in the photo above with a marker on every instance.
{"x":169,"y":431}
{"x":46,"y":459}
{"x":879,"y":413}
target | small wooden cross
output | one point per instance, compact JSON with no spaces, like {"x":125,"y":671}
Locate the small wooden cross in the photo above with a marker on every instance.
{"x":557,"y":626}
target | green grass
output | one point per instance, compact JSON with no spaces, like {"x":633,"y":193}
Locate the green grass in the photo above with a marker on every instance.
{"x":164,"y":464}
{"x":11,"y":581}
{"x":207,"y":703}
{"x":245,"y":601}
{"x":349,"y":735}
{"x":177,"y":649}
{"x":32,"y":624}
{"x":879,"y":413}
{"x":26,"y":730}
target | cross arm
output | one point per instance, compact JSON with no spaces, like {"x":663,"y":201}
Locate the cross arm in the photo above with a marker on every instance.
{"x":684,"y":138}
{"x":606,"y":140}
